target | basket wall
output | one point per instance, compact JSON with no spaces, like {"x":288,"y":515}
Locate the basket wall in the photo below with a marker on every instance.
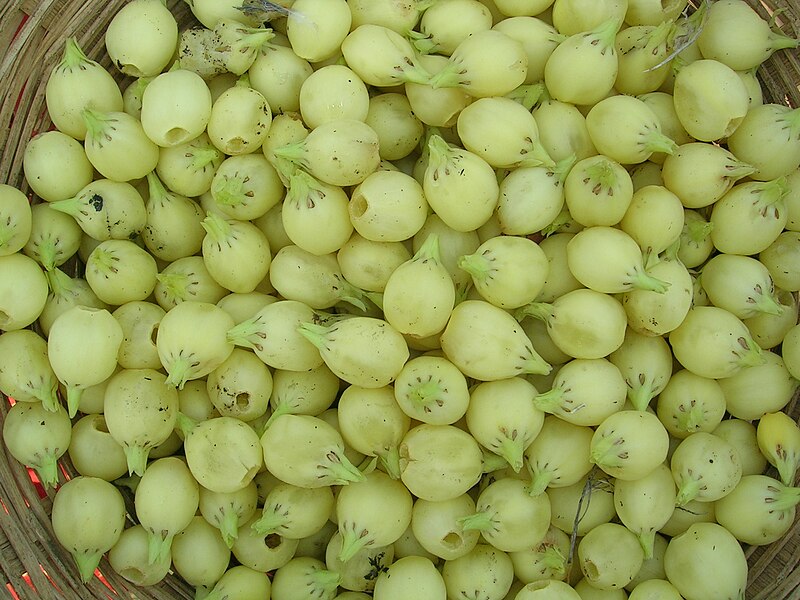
{"x":32,"y":34}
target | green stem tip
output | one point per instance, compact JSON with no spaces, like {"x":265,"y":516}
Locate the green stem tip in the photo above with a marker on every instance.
{"x":73,"y":56}
{"x":647,"y":540}
{"x":184,"y":424}
{"x":644,"y":281}
{"x":229,"y":526}
{"x":512,"y":451}
{"x":480,"y":521}
{"x":87,"y":564}
{"x":159,"y":547}
{"x":750,"y":354}
{"x":687,"y":491}
{"x":655,"y":141}
{"x":97,"y":123}
{"x":640,"y":395}
{"x":539,"y":481}
{"x":74,"y":395}
{"x":136,"y":457}
{"x":47,"y":471}
{"x":353,"y":543}
{"x":269,"y":522}
{"x":218,"y":228}
{"x":390,"y":460}
{"x":341,"y":470}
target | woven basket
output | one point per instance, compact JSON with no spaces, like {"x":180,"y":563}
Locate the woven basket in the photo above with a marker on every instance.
{"x":32,"y":563}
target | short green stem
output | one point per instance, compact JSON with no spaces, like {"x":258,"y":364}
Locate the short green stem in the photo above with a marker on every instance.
{"x":414,"y":73}
{"x":47,"y":254}
{"x":155,"y":187}
{"x":448,"y":77}
{"x":462,"y":290}
{"x":779,"y":41}
{"x":316,"y":334}
{"x":300,"y":183}
{"x":647,"y":540}
{"x":603,"y":453}
{"x":655,"y":141}
{"x":687,"y":491}
{"x":294,"y":153}
{"x":97,"y":123}
{"x":269,"y":522}
{"x":558,"y":224}
{"x":539,"y":481}
{"x":562,"y":167}
{"x":137,"y":459}
{"x":324,"y":583}
{"x":786,"y":463}
{"x":351,"y":295}
{"x":481,"y":521}
{"x":439,"y":151}
{"x":352,"y":544}
{"x":253,"y":38}
{"x":554,"y":560}
{"x":536,"y":365}
{"x":550,"y":401}
{"x":643,"y":281}
{"x":493,"y":462}
{"x":528,"y":95}
{"x":477,"y":265}
{"x":601,"y":176}
{"x":785,"y":498}
{"x":184,"y":424}
{"x":229,"y":526}
{"x":282,"y":408}
{"x":47,"y":470}
{"x":74,"y":56}
{"x":698,"y":231}
{"x":773,"y":191}
{"x":175,"y":285}
{"x":158,"y":547}
{"x":606,"y":32}
{"x":751,"y":354}
{"x":390,"y":460}
{"x":641,"y":395}
{"x":69,"y":206}
{"x":659,"y":36}
{"x":229,"y":191}
{"x":74,"y":395}
{"x":47,"y":393}
{"x":737,"y":169}
{"x":130,"y":483}
{"x":218,"y":228}
{"x":178,"y":373}
{"x":87,"y":564}
{"x":537,"y":310}
{"x":248,"y":334}
{"x":429,"y":250}
{"x":768,"y":304}
{"x":422,"y":43}
{"x":537,"y":156}
{"x":512,"y":451}
{"x":425,"y":393}
{"x":343,"y":472}
{"x":104,"y":261}
{"x":204,"y":156}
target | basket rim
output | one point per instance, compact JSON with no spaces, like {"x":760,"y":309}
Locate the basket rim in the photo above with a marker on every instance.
{"x":35,"y":32}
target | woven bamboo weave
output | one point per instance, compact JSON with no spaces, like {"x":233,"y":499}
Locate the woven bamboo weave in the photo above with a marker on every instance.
{"x":32,"y":37}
